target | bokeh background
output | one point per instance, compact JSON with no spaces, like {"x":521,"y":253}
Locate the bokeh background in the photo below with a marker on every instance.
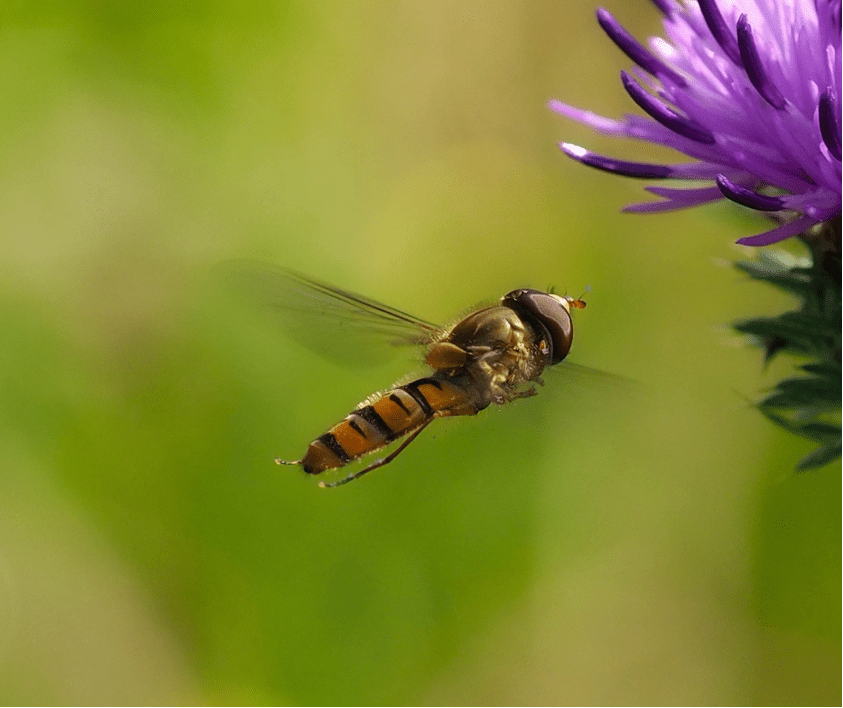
{"x":606,"y":542}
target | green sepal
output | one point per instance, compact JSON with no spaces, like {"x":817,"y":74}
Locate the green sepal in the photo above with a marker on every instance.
{"x":807,"y":404}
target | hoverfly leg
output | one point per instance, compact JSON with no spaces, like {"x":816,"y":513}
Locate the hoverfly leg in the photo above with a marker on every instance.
{"x":379,"y":463}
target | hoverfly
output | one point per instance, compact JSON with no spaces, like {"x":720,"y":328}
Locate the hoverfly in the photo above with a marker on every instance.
{"x":491,"y":355}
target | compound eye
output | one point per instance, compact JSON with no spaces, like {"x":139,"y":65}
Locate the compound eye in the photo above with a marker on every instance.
{"x":546,"y":313}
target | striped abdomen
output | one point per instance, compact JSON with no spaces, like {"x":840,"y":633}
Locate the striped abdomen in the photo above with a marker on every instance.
{"x":395,"y":414}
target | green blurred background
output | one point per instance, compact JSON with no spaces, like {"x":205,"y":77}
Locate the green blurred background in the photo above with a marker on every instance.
{"x":601,"y":543}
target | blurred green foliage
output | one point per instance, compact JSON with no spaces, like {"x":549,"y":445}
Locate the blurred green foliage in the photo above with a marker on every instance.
{"x":599,"y":543}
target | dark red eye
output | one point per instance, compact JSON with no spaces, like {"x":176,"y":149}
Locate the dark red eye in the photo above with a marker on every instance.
{"x":548,"y":315}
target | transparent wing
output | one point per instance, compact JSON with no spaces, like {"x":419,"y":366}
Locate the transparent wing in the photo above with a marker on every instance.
{"x":330,"y":320}
{"x":586,"y":379}
{"x":605,"y":378}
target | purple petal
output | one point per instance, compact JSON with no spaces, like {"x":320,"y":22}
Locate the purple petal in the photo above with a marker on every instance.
{"x":707,"y":194}
{"x":780,"y":233}
{"x":719,"y":30}
{"x":829,"y":10}
{"x":748,"y":198}
{"x":703,"y":171}
{"x":754,"y":68}
{"x":604,"y":125}
{"x":640,"y":128}
{"x":640,"y":170}
{"x":756,"y":158}
{"x":674,"y":199}
{"x":635,"y":51}
{"x":829,"y":128}
{"x":654,"y":207}
{"x":664,"y":115}
{"x":663,"y":6}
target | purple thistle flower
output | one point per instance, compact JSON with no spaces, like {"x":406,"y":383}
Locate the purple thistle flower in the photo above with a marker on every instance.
{"x":750,"y":89}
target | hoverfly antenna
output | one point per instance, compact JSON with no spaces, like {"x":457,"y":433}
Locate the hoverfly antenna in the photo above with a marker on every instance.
{"x":576,"y":302}
{"x":579,"y":303}
{"x":279,"y":461}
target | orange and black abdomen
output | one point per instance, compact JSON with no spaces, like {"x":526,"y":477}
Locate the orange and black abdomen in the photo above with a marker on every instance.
{"x":395,"y":414}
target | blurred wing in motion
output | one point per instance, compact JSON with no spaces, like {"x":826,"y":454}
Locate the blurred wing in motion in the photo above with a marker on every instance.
{"x":597,"y":376}
{"x":331,"y":321}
